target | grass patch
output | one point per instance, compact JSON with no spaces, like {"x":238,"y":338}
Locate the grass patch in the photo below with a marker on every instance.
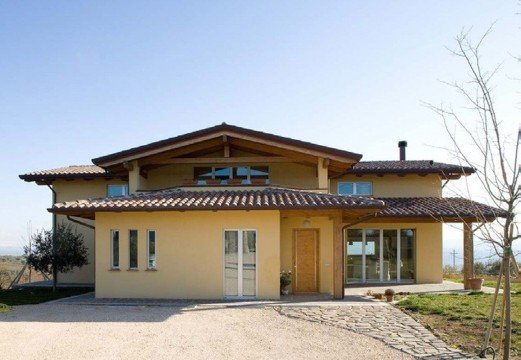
{"x":26,"y":296}
{"x":461,"y":320}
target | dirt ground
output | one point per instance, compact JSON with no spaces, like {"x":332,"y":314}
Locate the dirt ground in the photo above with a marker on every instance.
{"x":54,"y":331}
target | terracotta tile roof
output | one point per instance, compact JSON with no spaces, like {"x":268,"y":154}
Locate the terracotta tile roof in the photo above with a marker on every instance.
{"x":437,"y":208}
{"x":69,"y":172}
{"x":179,"y":199}
{"x":363,"y":167}
{"x":409,"y":167}
{"x":232,"y":129}
{"x":248,"y":199}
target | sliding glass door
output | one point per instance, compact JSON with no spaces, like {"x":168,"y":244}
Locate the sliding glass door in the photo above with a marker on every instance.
{"x":379,"y":255}
{"x":240,"y":263}
{"x":372,"y":255}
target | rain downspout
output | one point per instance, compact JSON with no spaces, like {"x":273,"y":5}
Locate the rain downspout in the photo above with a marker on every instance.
{"x":54,"y":219}
{"x":54,"y":224}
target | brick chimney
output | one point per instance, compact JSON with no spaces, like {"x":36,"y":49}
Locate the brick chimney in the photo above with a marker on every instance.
{"x":402,"y":145}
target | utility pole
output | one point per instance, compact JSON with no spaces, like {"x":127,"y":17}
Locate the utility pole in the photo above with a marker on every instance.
{"x":453,"y":252}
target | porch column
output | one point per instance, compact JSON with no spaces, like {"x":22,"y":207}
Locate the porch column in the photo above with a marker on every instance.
{"x":134,"y":177}
{"x":468,"y":254}
{"x":338,"y":258}
{"x":322,"y":174}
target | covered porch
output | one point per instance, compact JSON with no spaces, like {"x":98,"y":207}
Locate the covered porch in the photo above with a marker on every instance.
{"x":425,"y":216}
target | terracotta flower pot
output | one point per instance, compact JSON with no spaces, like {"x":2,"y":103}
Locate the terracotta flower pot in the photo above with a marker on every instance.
{"x":475,"y":283}
{"x":234,"y":181}
{"x":389,"y":298}
{"x":189,"y":182}
{"x":258,"y":181}
{"x":213,"y":181}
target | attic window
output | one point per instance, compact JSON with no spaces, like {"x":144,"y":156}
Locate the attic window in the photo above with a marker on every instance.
{"x":355,"y":188}
{"x":117,"y":190}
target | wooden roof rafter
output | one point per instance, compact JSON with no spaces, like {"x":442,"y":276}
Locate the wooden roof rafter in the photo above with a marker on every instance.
{"x":226,"y":136}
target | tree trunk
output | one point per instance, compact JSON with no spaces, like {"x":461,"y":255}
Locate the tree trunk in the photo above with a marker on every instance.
{"x":54,"y":279}
{"x":506,"y":295}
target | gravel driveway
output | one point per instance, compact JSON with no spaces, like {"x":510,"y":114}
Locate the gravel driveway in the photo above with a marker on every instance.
{"x":55,"y":331}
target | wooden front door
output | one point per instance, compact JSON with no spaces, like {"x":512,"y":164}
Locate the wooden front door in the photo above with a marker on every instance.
{"x":305,"y":261}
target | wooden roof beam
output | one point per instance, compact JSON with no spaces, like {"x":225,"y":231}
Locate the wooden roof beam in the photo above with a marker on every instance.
{"x":227,"y":160}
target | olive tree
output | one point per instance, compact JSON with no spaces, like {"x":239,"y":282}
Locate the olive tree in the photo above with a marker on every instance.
{"x":56,"y":251}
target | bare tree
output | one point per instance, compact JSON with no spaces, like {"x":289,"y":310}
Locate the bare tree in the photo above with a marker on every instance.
{"x":479,"y":140}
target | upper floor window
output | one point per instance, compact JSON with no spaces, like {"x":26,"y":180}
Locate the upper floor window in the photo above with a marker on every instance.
{"x":355,"y":188}
{"x":239,"y":174}
{"x":117,"y":190}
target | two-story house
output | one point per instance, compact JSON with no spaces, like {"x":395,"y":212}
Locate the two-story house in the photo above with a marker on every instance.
{"x":219,"y":212}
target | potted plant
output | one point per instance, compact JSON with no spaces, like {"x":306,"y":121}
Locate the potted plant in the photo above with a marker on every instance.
{"x":475,"y":283}
{"x":189,"y":182}
{"x":285,"y":281}
{"x":234,"y":181}
{"x":257,"y":181}
{"x":213,"y":181}
{"x":389,"y":294}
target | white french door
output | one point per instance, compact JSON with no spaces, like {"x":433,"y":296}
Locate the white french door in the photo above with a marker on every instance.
{"x":240,"y":263}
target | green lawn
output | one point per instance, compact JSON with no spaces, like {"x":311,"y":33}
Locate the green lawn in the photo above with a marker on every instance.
{"x":26,"y":296}
{"x":461,"y":320}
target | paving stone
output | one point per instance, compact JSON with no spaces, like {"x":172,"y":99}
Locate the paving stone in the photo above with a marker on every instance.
{"x":384,"y":323}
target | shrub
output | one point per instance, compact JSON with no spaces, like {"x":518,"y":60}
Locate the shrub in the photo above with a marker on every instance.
{"x":285,"y":279}
{"x":389,"y":292}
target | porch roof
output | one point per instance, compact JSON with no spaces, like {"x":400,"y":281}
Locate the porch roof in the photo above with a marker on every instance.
{"x":179,"y":199}
{"x":435,"y":209}
{"x":414,"y":209}
{"x":402,"y":167}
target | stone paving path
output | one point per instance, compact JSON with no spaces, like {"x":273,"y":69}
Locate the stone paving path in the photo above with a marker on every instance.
{"x":384,"y":323}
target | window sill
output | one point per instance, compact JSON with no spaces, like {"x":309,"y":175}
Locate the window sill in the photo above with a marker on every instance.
{"x":132,"y":269}
{"x":151,"y":269}
{"x":114,"y":269}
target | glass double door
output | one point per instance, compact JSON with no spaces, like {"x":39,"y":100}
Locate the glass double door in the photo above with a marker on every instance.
{"x":379,"y":255}
{"x":240,"y":263}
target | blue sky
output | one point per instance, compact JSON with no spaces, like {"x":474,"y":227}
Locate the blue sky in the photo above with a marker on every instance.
{"x":83,"y":79}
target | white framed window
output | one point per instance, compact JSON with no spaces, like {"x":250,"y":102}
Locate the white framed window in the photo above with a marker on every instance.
{"x":355,"y":188}
{"x":114,"y":249}
{"x":151,"y":249}
{"x":243,"y":173}
{"x":114,"y":190}
{"x":132,"y":249}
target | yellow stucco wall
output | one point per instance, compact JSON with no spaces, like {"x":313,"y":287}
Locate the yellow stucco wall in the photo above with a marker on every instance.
{"x":189,"y":253}
{"x":396,"y":186}
{"x":281,"y":174}
{"x":74,"y":190}
{"x":429,"y":248}
{"x":325,"y":228}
